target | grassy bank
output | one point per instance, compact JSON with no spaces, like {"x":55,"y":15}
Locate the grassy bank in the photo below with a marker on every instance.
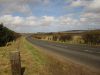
{"x":36,"y":62}
{"x":31,"y":59}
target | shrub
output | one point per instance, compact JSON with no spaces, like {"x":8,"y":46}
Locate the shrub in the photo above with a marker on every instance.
{"x":7,"y":35}
{"x":63,"y":38}
{"x":91,"y":37}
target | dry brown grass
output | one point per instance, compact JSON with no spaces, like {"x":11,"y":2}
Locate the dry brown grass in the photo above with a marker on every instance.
{"x":27,"y":60}
{"x":38,"y":62}
{"x":58,"y":65}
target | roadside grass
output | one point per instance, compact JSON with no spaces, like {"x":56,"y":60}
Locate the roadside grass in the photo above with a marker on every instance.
{"x":35,"y":53}
{"x":38,"y":62}
{"x":30,"y":58}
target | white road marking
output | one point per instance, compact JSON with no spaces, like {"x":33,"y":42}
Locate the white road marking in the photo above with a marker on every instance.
{"x":91,"y":51}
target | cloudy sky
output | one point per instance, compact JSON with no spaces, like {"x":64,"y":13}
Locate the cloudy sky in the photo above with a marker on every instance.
{"x":50,"y":15}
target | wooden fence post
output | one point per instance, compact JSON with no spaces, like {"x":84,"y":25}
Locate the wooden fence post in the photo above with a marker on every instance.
{"x":15,"y":62}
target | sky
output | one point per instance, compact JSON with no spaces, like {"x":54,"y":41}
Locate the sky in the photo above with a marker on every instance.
{"x":50,"y":15}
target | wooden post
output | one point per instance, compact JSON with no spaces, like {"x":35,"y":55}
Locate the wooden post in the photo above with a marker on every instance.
{"x":15,"y":62}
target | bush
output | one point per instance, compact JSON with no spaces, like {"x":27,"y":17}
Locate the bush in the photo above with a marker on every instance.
{"x":55,"y":38}
{"x":7,"y":35}
{"x":92,"y":38}
{"x":63,"y":38}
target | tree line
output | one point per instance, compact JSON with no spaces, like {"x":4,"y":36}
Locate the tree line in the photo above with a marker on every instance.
{"x":62,"y":38}
{"x":92,"y":38}
{"x":89,"y":37}
{"x":7,"y":35}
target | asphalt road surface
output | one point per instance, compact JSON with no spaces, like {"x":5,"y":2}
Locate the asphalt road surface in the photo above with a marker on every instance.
{"x":83,"y":54}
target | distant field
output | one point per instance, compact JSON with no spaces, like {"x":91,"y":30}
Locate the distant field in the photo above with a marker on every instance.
{"x":37,"y":62}
{"x":86,"y":37}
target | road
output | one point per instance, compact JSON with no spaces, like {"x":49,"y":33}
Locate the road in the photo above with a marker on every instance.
{"x":86,"y":55}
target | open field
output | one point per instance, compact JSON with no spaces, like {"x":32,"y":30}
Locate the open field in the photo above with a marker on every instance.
{"x":37,"y":62}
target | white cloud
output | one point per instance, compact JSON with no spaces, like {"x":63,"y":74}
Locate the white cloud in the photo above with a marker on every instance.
{"x":15,"y":7}
{"x":91,"y":14}
{"x":76,"y":3}
{"x":48,"y":18}
{"x":95,"y":4}
{"x":89,"y":5}
{"x":90,"y":18}
{"x":11,"y":21}
{"x":65,"y":20}
{"x":50,"y":23}
{"x":94,"y":7}
{"x":17,"y":22}
{"x":19,"y":6}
